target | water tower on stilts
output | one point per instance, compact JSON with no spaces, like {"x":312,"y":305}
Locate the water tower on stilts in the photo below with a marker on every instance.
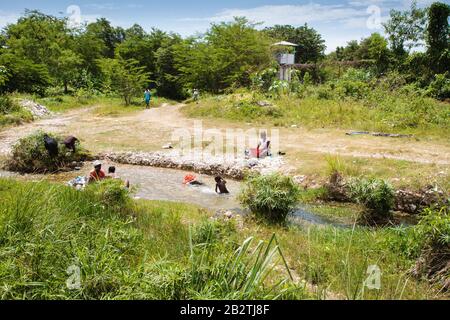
{"x":285,"y":58}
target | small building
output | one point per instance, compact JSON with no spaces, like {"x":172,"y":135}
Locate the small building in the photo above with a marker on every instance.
{"x":285,"y":58}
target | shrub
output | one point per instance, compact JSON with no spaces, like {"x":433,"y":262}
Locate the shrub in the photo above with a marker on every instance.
{"x":357,"y":75}
{"x":351,"y":88}
{"x":429,"y":243}
{"x":324,"y":92}
{"x":111,"y":193}
{"x":7,"y":105}
{"x":279,"y":88}
{"x":271,"y":197}
{"x":375,"y":194}
{"x":30,"y":156}
{"x":12,"y":113}
{"x":263,"y":80}
{"x":439,"y":88}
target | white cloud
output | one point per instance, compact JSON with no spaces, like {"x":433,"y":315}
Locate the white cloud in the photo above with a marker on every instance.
{"x":289,"y":14}
{"x":337,"y":23}
{"x":113,"y":6}
{"x":343,"y":16}
{"x":7,"y":18}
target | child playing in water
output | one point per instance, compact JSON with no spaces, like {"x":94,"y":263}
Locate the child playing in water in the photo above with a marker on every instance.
{"x":191,"y":180}
{"x":221,"y":186}
{"x":112,"y":175}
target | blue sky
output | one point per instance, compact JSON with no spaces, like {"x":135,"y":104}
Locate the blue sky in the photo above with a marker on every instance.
{"x":339,"y":21}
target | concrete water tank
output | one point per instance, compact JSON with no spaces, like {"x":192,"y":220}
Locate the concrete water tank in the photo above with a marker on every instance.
{"x":286,"y":58}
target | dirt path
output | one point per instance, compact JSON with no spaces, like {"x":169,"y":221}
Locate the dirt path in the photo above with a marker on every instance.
{"x":150,"y":129}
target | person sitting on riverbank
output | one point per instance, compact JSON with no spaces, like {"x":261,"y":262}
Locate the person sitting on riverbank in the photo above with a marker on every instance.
{"x":263,"y":149}
{"x":191,"y":180}
{"x":97,"y":174}
{"x":112,"y":175}
{"x":221,"y":185}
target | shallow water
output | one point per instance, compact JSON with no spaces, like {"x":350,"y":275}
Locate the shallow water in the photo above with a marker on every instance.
{"x":305,"y":216}
{"x":167,"y":185}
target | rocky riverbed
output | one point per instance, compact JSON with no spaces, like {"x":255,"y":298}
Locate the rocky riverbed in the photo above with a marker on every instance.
{"x":235,"y":168}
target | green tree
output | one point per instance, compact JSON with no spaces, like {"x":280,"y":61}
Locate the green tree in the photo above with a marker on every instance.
{"x":23,"y":75}
{"x":311,"y":46}
{"x":90,"y":49}
{"x":38,"y":40}
{"x":226,"y":56}
{"x":405,"y":29}
{"x":107,"y":34}
{"x":351,"y":51}
{"x":67,"y":67}
{"x":438,"y":35}
{"x":124,"y":77}
{"x":167,"y":75}
{"x":375,"y":48}
{"x":142,"y":47}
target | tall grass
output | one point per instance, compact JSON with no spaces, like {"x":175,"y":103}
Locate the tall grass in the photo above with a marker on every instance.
{"x":376,"y":110}
{"x":128,"y":251}
{"x":158,"y":250}
{"x":270,"y":197}
{"x":11,"y":113}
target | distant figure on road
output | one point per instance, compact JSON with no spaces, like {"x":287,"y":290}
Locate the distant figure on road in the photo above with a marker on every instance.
{"x":147,"y":98}
{"x":196,"y":95}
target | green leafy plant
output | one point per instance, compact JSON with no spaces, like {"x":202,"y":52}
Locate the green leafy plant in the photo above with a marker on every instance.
{"x":271,"y":197}
{"x":30,"y":156}
{"x":375,"y":194}
{"x":7,"y":105}
{"x":440,"y":86}
{"x":242,"y":274}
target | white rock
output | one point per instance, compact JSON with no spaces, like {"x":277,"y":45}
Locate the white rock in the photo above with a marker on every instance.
{"x":36,"y":109}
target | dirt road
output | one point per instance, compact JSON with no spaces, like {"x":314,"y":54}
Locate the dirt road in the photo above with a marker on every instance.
{"x":148,"y":130}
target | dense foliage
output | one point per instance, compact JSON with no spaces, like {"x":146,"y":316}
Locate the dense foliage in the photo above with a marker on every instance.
{"x":41,"y":52}
{"x":11,"y":112}
{"x":270,"y":197}
{"x":29,"y":155}
{"x":125,"y":250}
{"x":376,"y":195}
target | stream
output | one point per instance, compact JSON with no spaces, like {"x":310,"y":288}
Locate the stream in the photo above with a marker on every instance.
{"x":162,"y":184}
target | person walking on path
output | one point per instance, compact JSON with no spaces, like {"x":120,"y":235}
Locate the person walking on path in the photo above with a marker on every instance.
{"x":147,"y":97}
{"x":196,"y":95}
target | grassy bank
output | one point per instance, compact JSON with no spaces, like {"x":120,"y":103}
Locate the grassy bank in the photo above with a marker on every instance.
{"x":402,"y":174}
{"x":11,"y":113}
{"x":319,"y":107}
{"x":101,"y":105}
{"x":155,"y":250}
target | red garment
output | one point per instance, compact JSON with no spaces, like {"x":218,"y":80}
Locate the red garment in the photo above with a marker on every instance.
{"x":101,"y":175}
{"x":189,"y":178}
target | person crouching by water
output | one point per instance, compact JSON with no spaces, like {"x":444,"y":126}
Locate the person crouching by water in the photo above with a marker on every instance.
{"x":147,"y":98}
{"x":191,"y":180}
{"x":97,"y":174}
{"x":221,"y":185}
{"x":112,"y":175}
